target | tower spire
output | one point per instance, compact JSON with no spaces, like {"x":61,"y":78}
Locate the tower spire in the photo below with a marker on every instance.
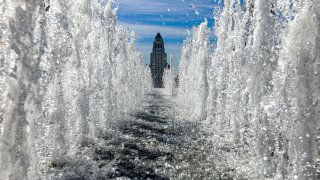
{"x":158,"y":61}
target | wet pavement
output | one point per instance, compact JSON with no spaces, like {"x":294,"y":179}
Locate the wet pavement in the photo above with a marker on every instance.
{"x":151,"y":144}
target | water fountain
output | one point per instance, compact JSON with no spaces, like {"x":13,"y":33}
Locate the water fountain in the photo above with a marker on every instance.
{"x":58,"y":81}
{"x":262,"y":102}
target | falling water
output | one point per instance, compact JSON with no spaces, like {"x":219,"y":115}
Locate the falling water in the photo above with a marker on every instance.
{"x":61,"y":63}
{"x":263,"y":97}
{"x":254,"y":99}
{"x":193,"y":89}
{"x":169,"y":79}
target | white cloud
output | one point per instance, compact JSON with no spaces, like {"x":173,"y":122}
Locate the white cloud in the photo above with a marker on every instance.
{"x":154,"y":6}
{"x":150,"y":31}
{"x":143,"y":30}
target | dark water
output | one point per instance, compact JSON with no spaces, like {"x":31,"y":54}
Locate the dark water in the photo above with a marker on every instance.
{"x":150,"y":144}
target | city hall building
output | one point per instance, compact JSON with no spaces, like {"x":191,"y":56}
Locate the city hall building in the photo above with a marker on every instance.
{"x":158,"y":61}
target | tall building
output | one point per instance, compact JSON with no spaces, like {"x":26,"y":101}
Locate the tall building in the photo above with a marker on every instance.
{"x":158,"y":61}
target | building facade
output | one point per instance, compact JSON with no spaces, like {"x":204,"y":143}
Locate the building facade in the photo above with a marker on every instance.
{"x":158,"y":61}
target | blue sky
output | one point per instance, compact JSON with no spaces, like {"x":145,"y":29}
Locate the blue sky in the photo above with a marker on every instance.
{"x":172,"y":18}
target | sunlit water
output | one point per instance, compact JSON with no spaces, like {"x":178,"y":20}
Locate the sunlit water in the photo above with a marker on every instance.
{"x":259,"y":90}
{"x":73,"y":103}
{"x":150,"y":143}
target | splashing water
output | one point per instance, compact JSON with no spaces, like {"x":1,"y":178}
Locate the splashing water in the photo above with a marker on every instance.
{"x":263,"y":87}
{"x":62,"y":64}
{"x":65,"y":81}
{"x":169,"y":79}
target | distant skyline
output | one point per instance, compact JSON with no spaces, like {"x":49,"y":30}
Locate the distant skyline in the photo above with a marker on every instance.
{"x":172,"y":18}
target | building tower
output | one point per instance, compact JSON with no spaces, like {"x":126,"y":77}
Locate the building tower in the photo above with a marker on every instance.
{"x":158,"y":61}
